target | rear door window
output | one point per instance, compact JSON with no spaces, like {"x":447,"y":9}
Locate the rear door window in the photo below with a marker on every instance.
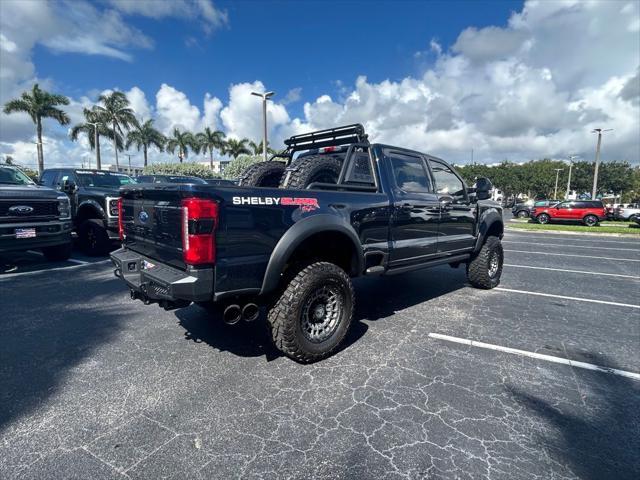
{"x":409,"y":173}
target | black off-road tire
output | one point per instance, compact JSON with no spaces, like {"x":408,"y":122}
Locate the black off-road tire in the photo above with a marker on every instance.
{"x":262,"y":174}
{"x":590,"y":221}
{"x":308,"y":170}
{"x":479,"y":269}
{"x":522,"y":214}
{"x":543,"y":219}
{"x":94,"y":239}
{"x":287,"y":317}
{"x":58,"y":253}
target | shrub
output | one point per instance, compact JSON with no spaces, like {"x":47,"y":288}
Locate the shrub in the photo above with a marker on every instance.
{"x":237,"y":166}
{"x":190,"y":169}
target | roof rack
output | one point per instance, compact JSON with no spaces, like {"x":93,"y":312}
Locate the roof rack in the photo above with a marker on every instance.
{"x":330,"y":137}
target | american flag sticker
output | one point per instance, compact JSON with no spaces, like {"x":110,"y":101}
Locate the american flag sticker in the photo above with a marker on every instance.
{"x":25,"y":232}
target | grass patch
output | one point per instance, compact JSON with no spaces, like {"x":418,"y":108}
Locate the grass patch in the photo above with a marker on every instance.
{"x":624,"y":228}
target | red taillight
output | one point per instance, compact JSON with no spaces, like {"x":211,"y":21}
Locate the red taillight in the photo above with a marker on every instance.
{"x":120,"y":221}
{"x":199,"y":220}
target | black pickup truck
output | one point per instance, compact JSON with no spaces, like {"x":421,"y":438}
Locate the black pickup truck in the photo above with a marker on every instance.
{"x":32,"y":217}
{"x":94,"y":203}
{"x":294,"y":251}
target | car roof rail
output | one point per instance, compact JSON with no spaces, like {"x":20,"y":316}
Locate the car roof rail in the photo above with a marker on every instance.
{"x":331,"y":137}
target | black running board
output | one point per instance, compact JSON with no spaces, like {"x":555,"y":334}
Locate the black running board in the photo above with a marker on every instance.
{"x":432,"y":263}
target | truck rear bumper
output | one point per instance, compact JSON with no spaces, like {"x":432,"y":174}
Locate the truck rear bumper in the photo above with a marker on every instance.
{"x":154,"y":282}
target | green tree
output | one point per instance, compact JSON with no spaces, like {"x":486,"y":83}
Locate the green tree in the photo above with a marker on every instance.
{"x":8,"y":159}
{"x":145,"y":136}
{"x":115,"y":111}
{"x":39,"y":104}
{"x":88,"y":127}
{"x":258,"y":148}
{"x":236,"y":148}
{"x":210,"y":140}
{"x":182,"y":141}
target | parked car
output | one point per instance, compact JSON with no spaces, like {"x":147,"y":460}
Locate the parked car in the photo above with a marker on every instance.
{"x":294,"y":250}
{"x":589,"y":212}
{"x":94,"y":203}
{"x":169,"y":179}
{"x":523,"y":210}
{"x":33,"y":217}
{"x":627,"y":212}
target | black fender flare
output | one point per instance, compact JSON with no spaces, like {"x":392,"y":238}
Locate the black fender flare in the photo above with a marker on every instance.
{"x":91,"y":204}
{"x":298,"y":233}
{"x":486,"y":220}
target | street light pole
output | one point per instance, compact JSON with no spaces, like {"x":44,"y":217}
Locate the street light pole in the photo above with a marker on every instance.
{"x":265,"y":97}
{"x":129,"y":155}
{"x":555,"y":192}
{"x":95,"y":143}
{"x":571,"y":157}
{"x":599,"y":131}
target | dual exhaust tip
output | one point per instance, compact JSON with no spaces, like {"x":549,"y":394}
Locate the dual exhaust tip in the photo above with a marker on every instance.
{"x":233,"y":313}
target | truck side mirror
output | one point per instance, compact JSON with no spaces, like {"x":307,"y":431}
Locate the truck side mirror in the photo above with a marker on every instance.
{"x":483,"y":188}
{"x":68,"y":186}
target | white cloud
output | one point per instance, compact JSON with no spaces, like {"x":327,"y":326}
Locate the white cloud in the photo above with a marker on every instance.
{"x":205,"y":11}
{"x":139,"y":103}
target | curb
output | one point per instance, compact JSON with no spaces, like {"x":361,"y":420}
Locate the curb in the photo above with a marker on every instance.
{"x":562,"y":232}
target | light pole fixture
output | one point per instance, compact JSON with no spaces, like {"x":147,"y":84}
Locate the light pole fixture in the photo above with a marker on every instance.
{"x":96,"y":145}
{"x":571,"y":157}
{"x":129,"y":155}
{"x":555,"y":192}
{"x":599,"y":131}
{"x":265,"y":96}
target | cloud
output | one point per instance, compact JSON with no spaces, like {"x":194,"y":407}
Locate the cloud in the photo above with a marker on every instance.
{"x":292,"y":96}
{"x":210,"y":17}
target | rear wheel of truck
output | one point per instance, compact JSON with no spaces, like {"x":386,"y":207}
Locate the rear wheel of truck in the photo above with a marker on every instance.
{"x":58,"y":252}
{"x":485,"y":269}
{"x":263,"y":174}
{"x":312,"y":316}
{"x":94,"y":239}
{"x":312,"y":169}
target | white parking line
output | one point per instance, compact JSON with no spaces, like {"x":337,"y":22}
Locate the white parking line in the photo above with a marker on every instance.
{"x":73,"y":260}
{"x":539,"y":356}
{"x":576,"y":246}
{"x":550,"y":237}
{"x":574,"y":271}
{"x":573,"y":255}
{"x":577,"y":299}
{"x":47,"y":270}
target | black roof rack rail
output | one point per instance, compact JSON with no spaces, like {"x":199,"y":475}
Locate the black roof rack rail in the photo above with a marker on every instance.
{"x":330,"y":137}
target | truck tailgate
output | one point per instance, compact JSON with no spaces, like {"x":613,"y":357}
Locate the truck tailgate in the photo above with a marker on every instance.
{"x":152,"y":223}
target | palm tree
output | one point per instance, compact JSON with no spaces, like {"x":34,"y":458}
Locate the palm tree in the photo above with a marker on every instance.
{"x":258,"y":148}
{"x":183,"y":141}
{"x":144,"y":136}
{"x":93,"y":127}
{"x":116,"y":111}
{"x":236,"y":148}
{"x":39,"y":104}
{"x":209,"y":140}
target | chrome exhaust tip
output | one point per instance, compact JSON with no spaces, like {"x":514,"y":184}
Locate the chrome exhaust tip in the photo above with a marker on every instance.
{"x":250,"y":312}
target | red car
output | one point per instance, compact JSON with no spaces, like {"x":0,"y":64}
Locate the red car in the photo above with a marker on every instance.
{"x":589,"y":212}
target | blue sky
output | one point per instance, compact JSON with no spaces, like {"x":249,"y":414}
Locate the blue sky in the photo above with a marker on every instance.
{"x":513,"y":80}
{"x":287,"y":45}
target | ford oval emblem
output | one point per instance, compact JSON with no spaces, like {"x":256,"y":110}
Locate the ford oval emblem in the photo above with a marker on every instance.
{"x":20,"y":209}
{"x":143,"y":216}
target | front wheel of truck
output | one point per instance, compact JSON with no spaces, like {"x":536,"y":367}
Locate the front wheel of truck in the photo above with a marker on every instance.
{"x":485,"y":268}
{"x":312,"y":316}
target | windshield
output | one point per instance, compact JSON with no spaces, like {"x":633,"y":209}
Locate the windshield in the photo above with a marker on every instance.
{"x":13,"y":176}
{"x":103,"y":179}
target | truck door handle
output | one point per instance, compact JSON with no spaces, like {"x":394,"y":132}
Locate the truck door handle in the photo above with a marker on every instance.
{"x":446,"y":204}
{"x":406,"y":207}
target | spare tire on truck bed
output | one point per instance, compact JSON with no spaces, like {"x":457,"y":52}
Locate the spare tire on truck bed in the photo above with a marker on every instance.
{"x":314,"y":168}
{"x":262,"y":174}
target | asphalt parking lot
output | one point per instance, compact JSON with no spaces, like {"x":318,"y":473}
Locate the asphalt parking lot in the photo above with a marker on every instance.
{"x":94,"y":385}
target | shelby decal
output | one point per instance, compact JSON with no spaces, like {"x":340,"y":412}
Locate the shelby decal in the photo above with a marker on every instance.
{"x":256,"y":201}
{"x":306,"y":204}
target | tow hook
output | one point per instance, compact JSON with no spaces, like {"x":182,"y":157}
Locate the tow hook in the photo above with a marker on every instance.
{"x":118,"y":273}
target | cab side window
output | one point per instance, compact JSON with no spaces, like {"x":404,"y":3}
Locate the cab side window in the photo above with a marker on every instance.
{"x":48,"y":178}
{"x":566,"y":205}
{"x":409,"y":173}
{"x":447,"y":182}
